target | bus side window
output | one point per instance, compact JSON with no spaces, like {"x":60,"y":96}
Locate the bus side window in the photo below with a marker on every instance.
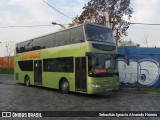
{"x":48,"y":41}
{"x":37,"y":44}
{"x":77,"y":35}
{"x":58,"y":64}
{"x":62,"y":37}
{"x":52,"y":40}
{"x":28,"y":45}
{"x":21,"y":47}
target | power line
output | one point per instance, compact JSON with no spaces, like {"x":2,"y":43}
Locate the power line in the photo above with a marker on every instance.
{"x":3,"y":27}
{"x":31,"y":26}
{"x":144,"y":24}
{"x":26,"y":26}
{"x":57,"y":10}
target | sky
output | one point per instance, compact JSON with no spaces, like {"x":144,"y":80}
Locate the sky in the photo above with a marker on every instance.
{"x":36,"y":12}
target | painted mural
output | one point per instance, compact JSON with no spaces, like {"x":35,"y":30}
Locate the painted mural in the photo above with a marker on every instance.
{"x":143,"y":70}
{"x":142,"y":73}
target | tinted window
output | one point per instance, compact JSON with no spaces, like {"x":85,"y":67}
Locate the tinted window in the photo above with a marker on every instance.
{"x":101,"y":34}
{"x":26,"y":65}
{"x":70,"y":36}
{"x":37,"y":44}
{"x":58,"y":64}
{"x":20,"y":47}
{"x":28,"y":45}
{"x":62,"y":38}
{"x":49,"y":41}
{"x":24,"y":46}
{"x":102,"y":65}
{"x":77,"y":35}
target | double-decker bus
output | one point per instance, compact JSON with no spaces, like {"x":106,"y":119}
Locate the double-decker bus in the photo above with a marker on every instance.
{"x":78,"y":59}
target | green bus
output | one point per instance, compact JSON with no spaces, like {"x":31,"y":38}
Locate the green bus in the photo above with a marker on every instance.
{"x":79,"y":59}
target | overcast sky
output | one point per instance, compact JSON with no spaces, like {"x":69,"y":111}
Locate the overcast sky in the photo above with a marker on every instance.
{"x":36,"y":12}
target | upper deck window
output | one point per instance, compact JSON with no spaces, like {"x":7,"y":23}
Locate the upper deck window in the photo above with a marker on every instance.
{"x":99,"y":34}
{"x":77,"y":34}
{"x":61,"y":38}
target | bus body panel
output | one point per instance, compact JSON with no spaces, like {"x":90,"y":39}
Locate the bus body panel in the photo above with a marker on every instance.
{"x":102,"y":84}
{"x":51,"y":78}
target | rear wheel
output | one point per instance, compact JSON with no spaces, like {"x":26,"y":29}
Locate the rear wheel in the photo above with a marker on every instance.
{"x":27,"y":81}
{"x":64,"y":86}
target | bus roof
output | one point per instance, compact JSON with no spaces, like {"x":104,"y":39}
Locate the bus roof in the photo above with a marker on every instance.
{"x":64,"y":30}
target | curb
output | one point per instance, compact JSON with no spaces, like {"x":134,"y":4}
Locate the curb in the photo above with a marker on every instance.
{"x":140,"y":91}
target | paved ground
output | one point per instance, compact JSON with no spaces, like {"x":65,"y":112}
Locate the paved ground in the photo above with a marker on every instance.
{"x":16,"y":97}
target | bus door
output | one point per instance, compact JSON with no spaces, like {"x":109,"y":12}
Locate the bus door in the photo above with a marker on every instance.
{"x":80,"y":74}
{"x":38,"y":72}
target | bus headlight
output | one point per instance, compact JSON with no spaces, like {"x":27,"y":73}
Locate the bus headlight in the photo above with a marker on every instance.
{"x":94,"y":86}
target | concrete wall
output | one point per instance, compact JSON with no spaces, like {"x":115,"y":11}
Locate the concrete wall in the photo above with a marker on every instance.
{"x":143,"y":70}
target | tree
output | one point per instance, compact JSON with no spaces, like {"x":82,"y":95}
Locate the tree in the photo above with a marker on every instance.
{"x":117,"y":9}
{"x":128,"y":43}
{"x":9,"y":50}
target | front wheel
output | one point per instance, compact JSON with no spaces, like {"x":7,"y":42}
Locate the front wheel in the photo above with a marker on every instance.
{"x":64,"y":86}
{"x":27,"y":81}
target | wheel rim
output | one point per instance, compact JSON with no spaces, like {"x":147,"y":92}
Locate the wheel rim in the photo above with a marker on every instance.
{"x":65,"y":86}
{"x":27,"y":81}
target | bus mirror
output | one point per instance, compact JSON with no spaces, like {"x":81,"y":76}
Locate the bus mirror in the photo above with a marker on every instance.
{"x":127,"y":61}
{"x":124,"y":57}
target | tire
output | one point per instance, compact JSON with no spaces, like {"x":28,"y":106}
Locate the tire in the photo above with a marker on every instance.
{"x":27,"y":81}
{"x":64,"y":86}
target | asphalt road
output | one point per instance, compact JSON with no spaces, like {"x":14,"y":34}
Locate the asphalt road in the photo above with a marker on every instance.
{"x":17,"y":97}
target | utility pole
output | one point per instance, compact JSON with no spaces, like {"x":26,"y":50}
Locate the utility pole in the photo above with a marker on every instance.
{"x":9,"y":49}
{"x":7,"y":45}
{"x":108,"y":24}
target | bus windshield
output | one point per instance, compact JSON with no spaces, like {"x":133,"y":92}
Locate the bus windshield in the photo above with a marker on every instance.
{"x":102,"y":65}
{"x":100,"y":34}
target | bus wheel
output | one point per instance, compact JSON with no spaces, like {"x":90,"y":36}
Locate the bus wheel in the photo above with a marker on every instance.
{"x":64,"y":86}
{"x":27,"y":81}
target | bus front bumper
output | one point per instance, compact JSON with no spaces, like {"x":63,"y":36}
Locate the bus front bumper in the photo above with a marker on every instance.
{"x":102,"y":85}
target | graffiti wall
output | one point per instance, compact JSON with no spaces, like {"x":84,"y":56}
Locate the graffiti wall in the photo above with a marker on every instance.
{"x":143,"y":70}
